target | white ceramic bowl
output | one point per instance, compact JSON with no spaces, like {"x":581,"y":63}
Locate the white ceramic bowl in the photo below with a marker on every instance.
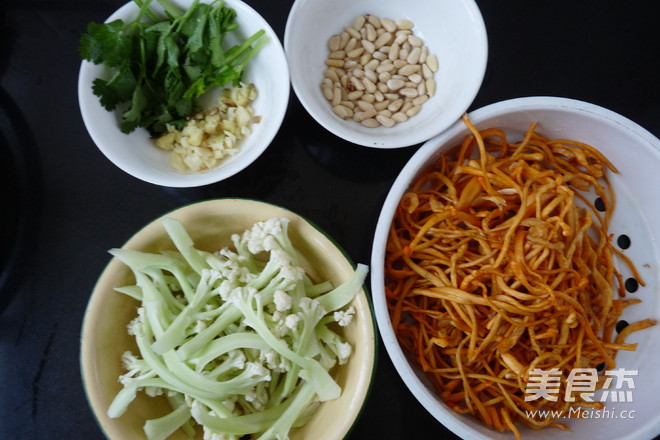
{"x":636,"y":154}
{"x":136,"y":154}
{"x":452,"y":29}
{"x":210,"y":224}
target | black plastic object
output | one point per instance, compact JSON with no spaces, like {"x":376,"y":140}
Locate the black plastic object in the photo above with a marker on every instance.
{"x":19,"y":183}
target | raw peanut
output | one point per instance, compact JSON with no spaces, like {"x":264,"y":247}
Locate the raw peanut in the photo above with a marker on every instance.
{"x":395,"y":84}
{"x":359,"y":22}
{"x":371,"y":75}
{"x":351,"y":44}
{"x":384,"y":76}
{"x":369,"y":46}
{"x":399,"y":63}
{"x":343,"y":39}
{"x":336,"y":96}
{"x":365,"y":106}
{"x":338,"y":54}
{"x":426,"y":71}
{"x":423,"y":54}
{"x":355,"y":52}
{"x":381,"y":106}
{"x":357,"y":83}
{"x":369,"y":85}
{"x":342,"y":111}
{"x":412,"y":111}
{"x":413,"y":57}
{"x":394,"y":51}
{"x":395,"y":105}
{"x":385,"y":121}
{"x":365,"y":58}
{"x":379,"y":55}
{"x":374,"y":21}
{"x":371,"y":123}
{"x":370,"y":32}
{"x":354,"y":96}
{"x":430,"y":86}
{"x":399,"y":117}
{"x":415,"y":78}
{"x":331,"y":74}
{"x":334,"y":63}
{"x":384,"y":39}
{"x":400,"y":37}
{"x":388,"y":24}
{"x":369,"y":97}
{"x":414,"y":41}
{"x":421,"y":88}
{"x":421,"y":99}
{"x":333,"y":43}
{"x":353,"y":32}
{"x":409,"y":69}
{"x":408,"y":92}
{"x":432,"y":62}
{"x":361,"y":116}
{"x":349,"y":64}
{"x":371,"y":65}
{"x":405,"y":24}
{"x":385,"y":67}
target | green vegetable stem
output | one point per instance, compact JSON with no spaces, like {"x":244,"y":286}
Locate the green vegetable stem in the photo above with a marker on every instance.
{"x":160,"y":66}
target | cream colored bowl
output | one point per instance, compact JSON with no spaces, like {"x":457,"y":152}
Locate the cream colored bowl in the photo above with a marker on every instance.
{"x":210,"y":224}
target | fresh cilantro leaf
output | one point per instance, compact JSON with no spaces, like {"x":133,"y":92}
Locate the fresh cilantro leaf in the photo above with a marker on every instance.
{"x":105,"y":43}
{"x":162,"y":65}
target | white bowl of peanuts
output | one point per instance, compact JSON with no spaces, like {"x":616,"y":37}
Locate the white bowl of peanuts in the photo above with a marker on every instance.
{"x":386,"y":74}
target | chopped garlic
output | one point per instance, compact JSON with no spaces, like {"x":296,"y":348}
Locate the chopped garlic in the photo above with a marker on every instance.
{"x":212,"y":135}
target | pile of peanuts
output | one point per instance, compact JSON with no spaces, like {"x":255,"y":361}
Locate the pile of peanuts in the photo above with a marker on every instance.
{"x":378,"y":73}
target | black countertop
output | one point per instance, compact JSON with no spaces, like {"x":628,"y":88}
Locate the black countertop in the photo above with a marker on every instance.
{"x":66,"y":204}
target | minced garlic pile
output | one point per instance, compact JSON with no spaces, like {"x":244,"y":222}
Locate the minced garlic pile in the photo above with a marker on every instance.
{"x":214,"y":134}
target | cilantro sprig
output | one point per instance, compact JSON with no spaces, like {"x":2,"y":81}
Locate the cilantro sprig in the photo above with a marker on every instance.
{"x":160,"y":66}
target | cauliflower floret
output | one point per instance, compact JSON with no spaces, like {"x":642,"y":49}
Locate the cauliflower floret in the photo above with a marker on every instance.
{"x":282,"y":301}
{"x":344,"y":352}
{"x":291,"y":321}
{"x":344,"y":317}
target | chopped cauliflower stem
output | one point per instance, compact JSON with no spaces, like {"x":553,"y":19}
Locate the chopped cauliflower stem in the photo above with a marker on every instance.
{"x":214,"y":134}
{"x":240,"y":341}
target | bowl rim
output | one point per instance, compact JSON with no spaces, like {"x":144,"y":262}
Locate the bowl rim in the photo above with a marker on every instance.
{"x":86,"y":360}
{"x":427,"y":398}
{"x":411,"y":137}
{"x":86,"y":101}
